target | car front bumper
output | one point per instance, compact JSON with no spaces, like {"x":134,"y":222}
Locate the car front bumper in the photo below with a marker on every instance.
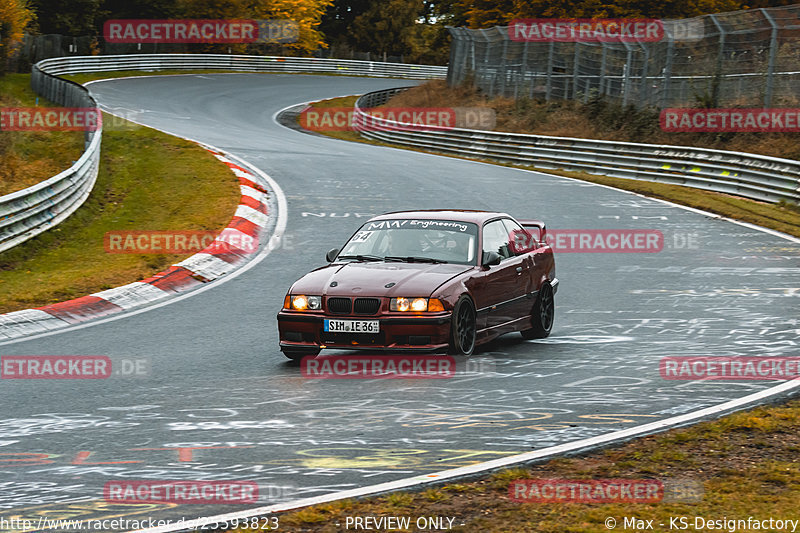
{"x":428,"y":333}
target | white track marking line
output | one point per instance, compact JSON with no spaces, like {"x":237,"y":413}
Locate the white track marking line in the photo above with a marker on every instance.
{"x":416,"y":481}
{"x":466,"y":471}
{"x":274,"y":242}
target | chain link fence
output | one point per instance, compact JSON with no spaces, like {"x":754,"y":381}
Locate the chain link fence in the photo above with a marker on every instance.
{"x":742,"y":58}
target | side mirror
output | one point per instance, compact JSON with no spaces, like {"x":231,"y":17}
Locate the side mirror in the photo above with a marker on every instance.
{"x":491,"y":259}
{"x":331,"y":255}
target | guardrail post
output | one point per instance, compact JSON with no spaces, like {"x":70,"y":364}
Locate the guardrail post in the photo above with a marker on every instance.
{"x":503,"y":63}
{"x":626,"y":74}
{"x":602,"y":80}
{"x":472,"y":51}
{"x":644,"y":97}
{"x":550,"y":59}
{"x":485,"y":65}
{"x":717,"y":78}
{"x":665,"y":90}
{"x":773,"y":53}
{"x":455,"y":68}
{"x":524,"y":68}
{"x":575,"y":64}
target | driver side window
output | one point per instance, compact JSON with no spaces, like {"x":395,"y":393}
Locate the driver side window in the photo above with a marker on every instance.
{"x":495,"y":239}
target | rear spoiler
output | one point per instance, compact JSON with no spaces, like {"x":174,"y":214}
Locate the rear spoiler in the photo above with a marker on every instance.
{"x":539,"y":225}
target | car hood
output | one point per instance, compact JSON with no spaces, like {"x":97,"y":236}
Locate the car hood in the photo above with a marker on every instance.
{"x":370,"y":279}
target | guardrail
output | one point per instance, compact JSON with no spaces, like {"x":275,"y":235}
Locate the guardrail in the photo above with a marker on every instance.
{"x":753,"y":176}
{"x":78,"y":64}
{"x":27,"y":213}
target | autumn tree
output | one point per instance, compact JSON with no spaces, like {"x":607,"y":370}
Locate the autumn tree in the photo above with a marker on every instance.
{"x":339,"y":16}
{"x":307,"y":14}
{"x":15,"y":17}
{"x":417,"y":28}
{"x":67,"y":17}
{"x":387,"y":27}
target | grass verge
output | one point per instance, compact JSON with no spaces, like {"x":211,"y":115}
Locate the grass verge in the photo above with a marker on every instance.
{"x":147,"y":180}
{"x":28,"y":157}
{"x":780,"y":217}
{"x":743,"y":465}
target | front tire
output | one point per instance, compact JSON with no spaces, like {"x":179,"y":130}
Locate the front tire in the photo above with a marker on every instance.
{"x":542,"y":315}
{"x":462,"y":327}
{"x":297,"y":354}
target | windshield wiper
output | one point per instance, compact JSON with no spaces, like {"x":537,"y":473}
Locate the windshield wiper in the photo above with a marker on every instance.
{"x":362,"y":257}
{"x":414,"y":259}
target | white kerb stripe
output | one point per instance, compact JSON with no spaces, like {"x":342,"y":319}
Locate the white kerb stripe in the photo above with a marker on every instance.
{"x":236,"y":238}
{"x":132,"y":295}
{"x":256,"y":217}
{"x":252,"y":193}
{"x":206,"y":265}
{"x":28,"y":321}
{"x":242,"y":174}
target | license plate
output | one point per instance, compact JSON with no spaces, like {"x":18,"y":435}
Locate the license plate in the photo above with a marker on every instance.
{"x":352,"y":326}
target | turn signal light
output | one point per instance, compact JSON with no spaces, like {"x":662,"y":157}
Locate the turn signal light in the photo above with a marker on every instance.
{"x":435,"y":305}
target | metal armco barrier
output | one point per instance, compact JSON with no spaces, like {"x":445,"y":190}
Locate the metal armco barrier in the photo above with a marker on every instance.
{"x":27,"y":213}
{"x":147,"y":62}
{"x":753,"y":176}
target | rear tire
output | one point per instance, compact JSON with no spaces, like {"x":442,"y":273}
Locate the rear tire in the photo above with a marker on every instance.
{"x":297,"y":354}
{"x":462,"y":327}
{"x":542,"y":315}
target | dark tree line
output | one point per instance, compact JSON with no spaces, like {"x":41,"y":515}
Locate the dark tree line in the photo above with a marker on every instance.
{"x":412,"y":28}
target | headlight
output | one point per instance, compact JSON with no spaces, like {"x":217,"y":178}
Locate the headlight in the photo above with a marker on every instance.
{"x":301,"y":302}
{"x":415,"y":305}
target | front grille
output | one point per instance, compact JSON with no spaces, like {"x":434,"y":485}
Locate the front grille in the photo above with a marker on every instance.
{"x":366,"y":306}
{"x":339,"y":306}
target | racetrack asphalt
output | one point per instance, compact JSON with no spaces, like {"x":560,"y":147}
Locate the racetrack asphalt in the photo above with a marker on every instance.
{"x":220,"y":402}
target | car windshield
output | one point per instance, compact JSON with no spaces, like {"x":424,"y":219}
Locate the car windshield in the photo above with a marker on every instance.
{"x":414,"y":240}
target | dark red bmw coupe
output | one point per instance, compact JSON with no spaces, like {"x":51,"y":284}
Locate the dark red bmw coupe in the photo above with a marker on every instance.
{"x":425,"y":281}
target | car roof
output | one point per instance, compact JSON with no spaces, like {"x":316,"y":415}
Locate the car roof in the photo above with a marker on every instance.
{"x":460,"y":215}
